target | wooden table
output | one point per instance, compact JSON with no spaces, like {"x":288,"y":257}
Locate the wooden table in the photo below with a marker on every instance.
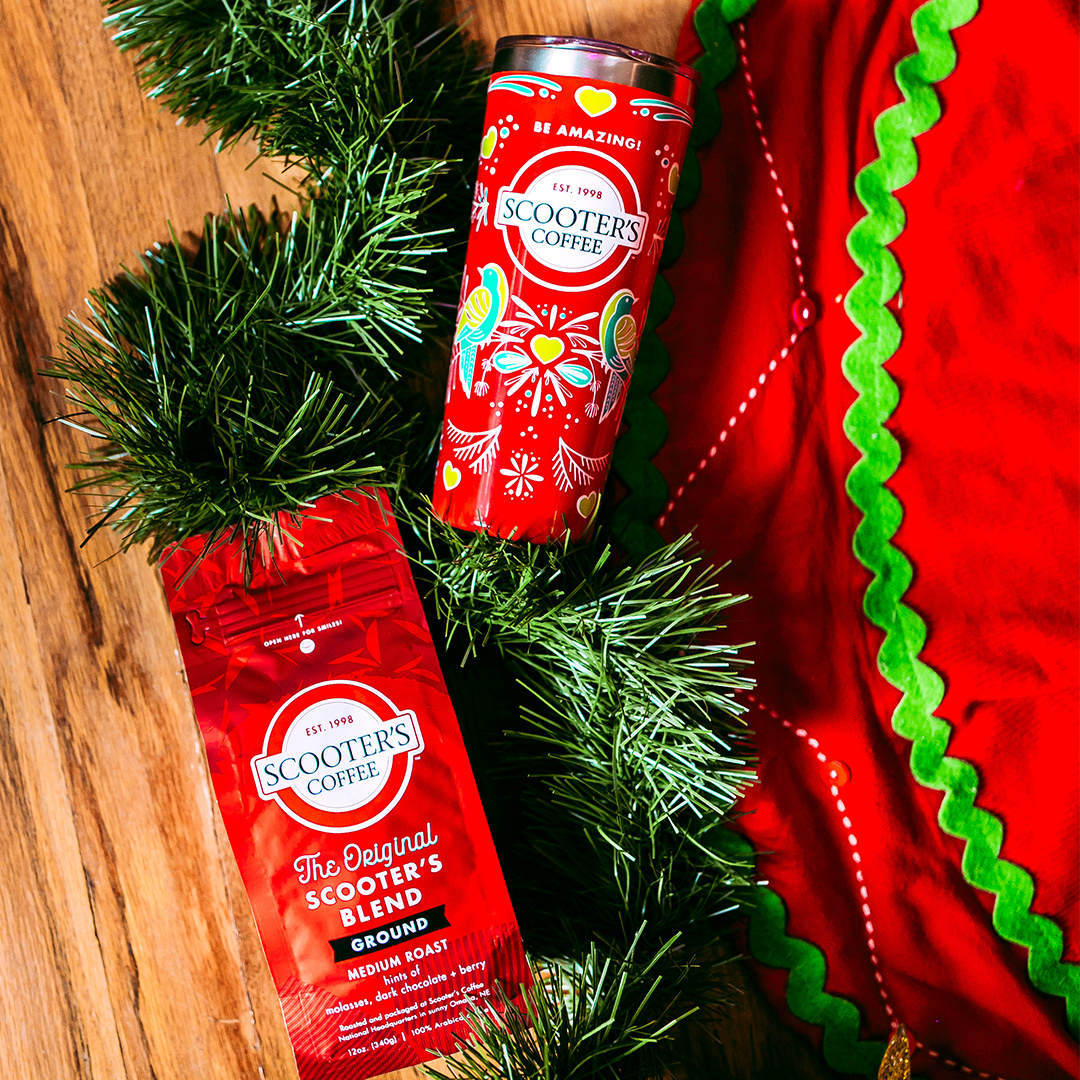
{"x":127,"y":947}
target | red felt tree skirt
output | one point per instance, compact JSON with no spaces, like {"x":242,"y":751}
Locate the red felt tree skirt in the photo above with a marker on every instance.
{"x":987,"y":425}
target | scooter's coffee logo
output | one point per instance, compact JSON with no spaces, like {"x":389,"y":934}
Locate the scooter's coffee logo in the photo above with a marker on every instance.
{"x":571,"y":218}
{"x":338,"y":756}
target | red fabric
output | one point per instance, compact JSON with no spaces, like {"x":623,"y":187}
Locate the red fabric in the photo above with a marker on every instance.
{"x":988,"y":427}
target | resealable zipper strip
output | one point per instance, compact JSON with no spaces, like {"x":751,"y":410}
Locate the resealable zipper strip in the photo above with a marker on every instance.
{"x":372,"y":590}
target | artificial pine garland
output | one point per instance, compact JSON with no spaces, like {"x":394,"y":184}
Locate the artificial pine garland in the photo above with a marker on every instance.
{"x":295,"y":355}
{"x":602,"y":1017}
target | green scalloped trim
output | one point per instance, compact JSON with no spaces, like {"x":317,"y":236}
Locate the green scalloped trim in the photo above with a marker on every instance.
{"x":807,"y":998}
{"x":647,"y":427}
{"x":864,"y":425}
{"x":841,"y":1046}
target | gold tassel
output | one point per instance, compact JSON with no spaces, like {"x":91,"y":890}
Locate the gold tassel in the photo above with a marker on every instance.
{"x":896,"y":1064}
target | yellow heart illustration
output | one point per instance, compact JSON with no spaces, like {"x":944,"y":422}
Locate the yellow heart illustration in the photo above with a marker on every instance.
{"x":594,"y":102}
{"x":546,"y":349}
{"x":487,"y":147}
{"x":673,"y":179}
{"x":451,"y":477}
{"x":587,"y":504}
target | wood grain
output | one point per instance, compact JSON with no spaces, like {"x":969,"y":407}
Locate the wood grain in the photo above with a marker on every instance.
{"x":127,"y":947}
{"x":652,"y":25}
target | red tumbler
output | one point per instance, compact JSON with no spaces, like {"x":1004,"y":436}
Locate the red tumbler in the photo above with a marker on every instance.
{"x":579,"y":164}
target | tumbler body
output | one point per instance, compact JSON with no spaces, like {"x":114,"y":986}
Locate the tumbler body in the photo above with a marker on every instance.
{"x":579,"y":164}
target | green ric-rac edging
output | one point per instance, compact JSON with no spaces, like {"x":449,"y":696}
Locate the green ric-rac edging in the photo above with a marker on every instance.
{"x":864,"y":425}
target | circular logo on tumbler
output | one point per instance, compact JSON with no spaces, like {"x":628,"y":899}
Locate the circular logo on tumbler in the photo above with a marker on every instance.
{"x":571,"y":218}
{"x":338,"y":756}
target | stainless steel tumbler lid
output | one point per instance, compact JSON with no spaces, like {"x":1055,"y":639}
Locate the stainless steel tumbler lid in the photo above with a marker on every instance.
{"x":587,"y":58}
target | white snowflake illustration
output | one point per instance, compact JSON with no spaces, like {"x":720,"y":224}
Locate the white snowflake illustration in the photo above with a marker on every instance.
{"x":480,"y":206}
{"x":522,"y":476}
{"x":656,"y":248}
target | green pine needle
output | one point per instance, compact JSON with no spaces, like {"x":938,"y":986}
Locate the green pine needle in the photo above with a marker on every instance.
{"x":265,"y":374}
{"x":583,"y":617}
{"x":631,"y":749}
{"x":258,"y":378}
{"x":605,"y":1018}
{"x":272,"y":67}
{"x":323,"y":84}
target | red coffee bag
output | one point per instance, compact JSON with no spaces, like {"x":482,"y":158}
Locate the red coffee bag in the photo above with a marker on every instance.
{"x":343,"y":782}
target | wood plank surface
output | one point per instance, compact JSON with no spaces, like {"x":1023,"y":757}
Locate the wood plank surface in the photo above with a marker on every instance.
{"x":127,"y":947}
{"x":652,"y":25}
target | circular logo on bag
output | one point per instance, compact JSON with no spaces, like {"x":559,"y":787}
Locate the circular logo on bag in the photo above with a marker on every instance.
{"x":571,"y":218}
{"x":338,"y":756}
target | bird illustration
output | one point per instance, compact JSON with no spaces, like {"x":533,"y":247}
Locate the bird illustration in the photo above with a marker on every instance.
{"x":619,"y":340}
{"x":482,"y":311}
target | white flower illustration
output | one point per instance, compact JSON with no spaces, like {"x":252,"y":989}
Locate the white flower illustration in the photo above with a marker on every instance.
{"x":480,"y":206}
{"x":522,"y":476}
